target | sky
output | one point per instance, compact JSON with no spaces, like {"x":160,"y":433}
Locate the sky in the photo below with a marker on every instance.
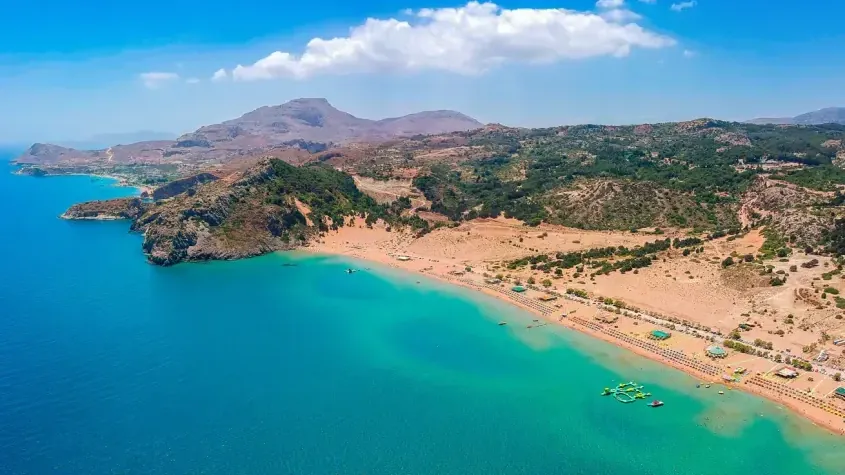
{"x":73,"y":70}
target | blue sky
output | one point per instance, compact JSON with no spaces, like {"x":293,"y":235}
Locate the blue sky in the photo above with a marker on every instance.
{"x":70,"y":70}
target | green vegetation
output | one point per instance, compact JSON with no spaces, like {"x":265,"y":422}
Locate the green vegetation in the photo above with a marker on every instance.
{"x":774,"y":245}
{"x":683,"y":174}
{"x":578,"y":293}
{"x":823,"y":178}
{"x":740,"y":347}
{"x":801,"y":364}
{"x":637,"y":257}
{"x":331,"y":196}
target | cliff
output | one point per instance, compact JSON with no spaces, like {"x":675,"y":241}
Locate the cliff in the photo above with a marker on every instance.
{"x":177,"y":187}
{"x":120,"y":208}
{"x":268,"y":207}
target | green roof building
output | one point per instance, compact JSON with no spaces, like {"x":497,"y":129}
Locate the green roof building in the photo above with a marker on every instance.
{"x":716,"y":351}
{"x":659,"y":335}
{"x":840,"y":392}
{"x":518,"y":288}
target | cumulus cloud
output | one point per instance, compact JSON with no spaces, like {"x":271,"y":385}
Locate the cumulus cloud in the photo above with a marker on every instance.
{"x":192,"y":80}
{"x":689,"y":53}
{"x":155,"y":80}
{"x":620,"y":15}
{"x":676,"y":7}
{"x":466,"y":40}
{"x":219,"y":75}
{"x":609,"y":4}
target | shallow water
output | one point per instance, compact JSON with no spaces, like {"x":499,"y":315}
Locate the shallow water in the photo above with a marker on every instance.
{"x":110,"y":365}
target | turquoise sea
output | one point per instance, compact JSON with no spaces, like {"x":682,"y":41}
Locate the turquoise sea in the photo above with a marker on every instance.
{"x":109,"y":365}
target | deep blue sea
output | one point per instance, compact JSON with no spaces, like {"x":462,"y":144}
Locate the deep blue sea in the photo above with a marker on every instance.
{"x":109,"y":365}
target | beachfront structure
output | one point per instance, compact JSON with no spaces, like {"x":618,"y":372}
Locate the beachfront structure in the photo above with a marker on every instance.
{"x":788,"y":373}
{"x":518,"y":288}
{"x":659,"y":335}
{"x":716,"y":351}
{"x":839,"y":392}
{"x":607,"y":318}
{"x":547,"y":298}
{"x":839,"y":342}
{"x":403,"y":258}
{"x":492,"y":281}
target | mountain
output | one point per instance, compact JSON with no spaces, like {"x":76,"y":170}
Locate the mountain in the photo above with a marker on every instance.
{"x":308,"y":124}
{"x":102,"y":141}
{"x":828,"y":115}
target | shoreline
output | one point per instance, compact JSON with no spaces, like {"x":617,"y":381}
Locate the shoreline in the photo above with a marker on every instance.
{"x":793,"y":406}
{"x":121,"y":182}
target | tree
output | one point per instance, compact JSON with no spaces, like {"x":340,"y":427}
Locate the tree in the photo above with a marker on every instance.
{"x":837,"y":377}
{"x":547,"y":283}
{"x":531,"y":280}
{"x":729,"y":261}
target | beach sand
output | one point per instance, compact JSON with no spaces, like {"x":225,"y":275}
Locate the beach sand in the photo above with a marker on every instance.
{"x":695,"y":290}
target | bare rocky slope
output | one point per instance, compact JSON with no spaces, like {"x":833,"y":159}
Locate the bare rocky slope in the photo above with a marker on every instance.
{"x":309,"y":124}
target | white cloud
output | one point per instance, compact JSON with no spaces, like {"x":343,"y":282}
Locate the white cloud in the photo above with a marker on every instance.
{"x":192,"y":80}
{"x":219,"y":75}
{"x":689,"y":53}
{"x":610,"y":4}
{"x":676,"y":7}
{"x":155,"y":80}
{"x":650,"y":2}
{"x":620,"y":15}
{"x":466,"y":40}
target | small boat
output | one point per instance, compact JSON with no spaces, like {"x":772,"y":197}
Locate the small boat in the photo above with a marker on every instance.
{"x":655,"y":403}
{"x":606,"y":392}
{"x":351,"y":271}
{"x":698,"y":385}
{"x":707,"y":386}
{"x":721,"y":392}
{"x":502,"y":323}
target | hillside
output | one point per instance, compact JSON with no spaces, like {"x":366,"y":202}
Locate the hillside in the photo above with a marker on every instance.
{"x":312,"y":125}
{"x":704,"y":176}
{"x":271,"y":206}
{"x":829,"y":115}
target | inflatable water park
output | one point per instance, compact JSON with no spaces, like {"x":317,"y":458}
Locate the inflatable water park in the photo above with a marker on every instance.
{"x":629,"y":392}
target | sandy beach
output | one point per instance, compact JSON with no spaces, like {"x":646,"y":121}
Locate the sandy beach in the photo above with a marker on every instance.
{"x":693,"y":299}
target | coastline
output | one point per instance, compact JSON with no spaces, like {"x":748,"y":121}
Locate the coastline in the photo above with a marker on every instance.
{"x":815,"y":415}
{"x":120,"y":181}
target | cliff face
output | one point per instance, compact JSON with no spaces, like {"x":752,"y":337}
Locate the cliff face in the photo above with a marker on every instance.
{"x":177,"y":187}
{"x":256,"y":211}
{"x":120,"y":208}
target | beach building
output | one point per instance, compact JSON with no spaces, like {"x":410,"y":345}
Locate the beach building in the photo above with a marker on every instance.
{"x":659,"y":335}
{"x":716,"y":351}
{"x":403,"y":258}
{"x":839,"y":392}
{"x":492,"y":281}
{"x":787,"y":373}
{"x":518,"y":288}
{"x":547,"y":298}
{"x":607,"y":318}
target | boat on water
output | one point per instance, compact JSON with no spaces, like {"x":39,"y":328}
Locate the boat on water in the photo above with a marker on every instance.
{"x":502,"y":323}
{"x":707,"y":386}
{"x":655,"y":403}
{"x":351,"y":271}
{"x":721,"y":392}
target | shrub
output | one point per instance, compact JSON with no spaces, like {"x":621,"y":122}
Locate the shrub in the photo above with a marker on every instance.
{"x":729,"y":261}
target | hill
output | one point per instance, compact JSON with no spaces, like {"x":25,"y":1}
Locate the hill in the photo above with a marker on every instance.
{"x":705,"y":176}
{"x":308,"y":124}
{"x":829,"y":115}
